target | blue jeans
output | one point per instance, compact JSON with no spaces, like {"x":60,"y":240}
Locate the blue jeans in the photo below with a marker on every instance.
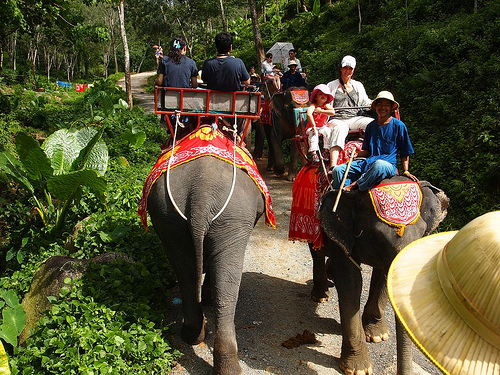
{"x":366,"y":177}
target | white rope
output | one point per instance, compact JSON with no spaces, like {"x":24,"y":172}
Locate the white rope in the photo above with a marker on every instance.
{"x":235,"y":130}
{"x":177,"y":124}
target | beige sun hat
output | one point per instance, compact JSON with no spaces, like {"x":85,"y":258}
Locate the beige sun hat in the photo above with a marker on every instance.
{"x":384,"y":95}
{"x":445,"y":290}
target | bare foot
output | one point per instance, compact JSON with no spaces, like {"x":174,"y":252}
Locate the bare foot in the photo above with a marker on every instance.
{"x":351,"y":187}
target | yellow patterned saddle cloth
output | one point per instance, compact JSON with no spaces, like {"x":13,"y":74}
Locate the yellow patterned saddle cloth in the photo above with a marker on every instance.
{"x":300,"y":97}
{"x":397,"y":203}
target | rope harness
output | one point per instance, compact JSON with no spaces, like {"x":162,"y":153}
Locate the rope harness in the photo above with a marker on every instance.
{"x":234,"y":130}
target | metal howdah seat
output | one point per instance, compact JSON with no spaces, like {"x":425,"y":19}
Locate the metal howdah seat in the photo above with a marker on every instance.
{"x":208,"y":104}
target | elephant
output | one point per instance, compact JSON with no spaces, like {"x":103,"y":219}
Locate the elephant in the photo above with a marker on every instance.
{"x":203,"y":243}
{"x":283,"y":128}
{"x":355,"y":229}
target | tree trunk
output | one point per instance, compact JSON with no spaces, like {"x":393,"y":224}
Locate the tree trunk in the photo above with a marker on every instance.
{"x":259,"y":48}
{"x":360,"y":19}
{"x":223,"y":16}
{"x":407,"y":16}
{"x":111,"y":20}
{"x":128,"y":82}
{"x":303,"y":5}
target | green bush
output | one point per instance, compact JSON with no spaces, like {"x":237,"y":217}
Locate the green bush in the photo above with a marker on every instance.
{"x":80,"y":335}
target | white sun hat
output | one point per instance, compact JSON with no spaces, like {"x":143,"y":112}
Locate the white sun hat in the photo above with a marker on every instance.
{"x":445,"y":290}
{"x":348,"y":61}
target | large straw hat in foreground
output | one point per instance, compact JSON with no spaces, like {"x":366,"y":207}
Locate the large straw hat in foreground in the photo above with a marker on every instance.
{"x":445,"y":290}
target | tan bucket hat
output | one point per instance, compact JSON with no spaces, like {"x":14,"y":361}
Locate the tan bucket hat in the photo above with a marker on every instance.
{"x":445,"y":290}
{"x":384,"y":95}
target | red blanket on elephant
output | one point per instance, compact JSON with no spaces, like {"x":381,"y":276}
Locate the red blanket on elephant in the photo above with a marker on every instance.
{"x":306,"y":195}
{"x":397,"y":203}
{"x":206,"y":142}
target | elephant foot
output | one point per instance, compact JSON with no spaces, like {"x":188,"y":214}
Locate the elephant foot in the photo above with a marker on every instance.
{"x":290,"y":178}
{"x":356,"y":371}
{"x":193,"y":335}
{"x":226,"y":364}
{"x":376,"y":331}
{"x":320,"y":297}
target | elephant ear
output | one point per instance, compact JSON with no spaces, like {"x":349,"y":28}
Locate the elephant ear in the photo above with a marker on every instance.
{"x":338,"y":225}
{"x":434,"y":206}
{"x":278,"y":101}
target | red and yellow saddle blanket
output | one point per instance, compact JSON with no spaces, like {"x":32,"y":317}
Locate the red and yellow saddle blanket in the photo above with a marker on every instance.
{"x":301,"y":97}
{"x":206,"y":142}
{"x":306,"y":195}
{"x":397,"y":203}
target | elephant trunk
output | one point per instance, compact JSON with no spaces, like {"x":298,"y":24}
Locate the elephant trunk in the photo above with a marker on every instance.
{"x":404,"y":351}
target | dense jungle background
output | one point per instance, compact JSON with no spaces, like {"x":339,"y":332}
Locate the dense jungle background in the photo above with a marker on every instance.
{"x":440,"y":58}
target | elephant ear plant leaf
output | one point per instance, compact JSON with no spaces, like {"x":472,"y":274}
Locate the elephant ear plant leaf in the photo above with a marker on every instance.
{"x":13,"y":318}
{"x":67,"y":161}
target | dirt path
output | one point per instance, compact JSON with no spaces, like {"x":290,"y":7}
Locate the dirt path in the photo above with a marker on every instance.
{"x":275,"y":305}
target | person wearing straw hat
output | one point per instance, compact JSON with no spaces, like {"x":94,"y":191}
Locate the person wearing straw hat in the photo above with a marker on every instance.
{"x":445,"y":290}
{"x":292,"y":78}
{"x":385,"y":138}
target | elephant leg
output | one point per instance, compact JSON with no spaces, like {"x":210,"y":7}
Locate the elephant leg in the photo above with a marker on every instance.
{"x":226,"y":267}
{"x":376,"y":329}
{"x":276,"y":143}
{"x":259,"y":139}
{"x":354,"y":358}
{"x":404,"y":350}
{"x":193,"y":327}
{"x":270,"y":153}
{"x":319,"y":292}
{"x":206,"y":291}
{"x":294,"y":162}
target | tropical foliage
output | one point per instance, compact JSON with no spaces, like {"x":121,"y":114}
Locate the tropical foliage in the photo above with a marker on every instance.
{"x":58,"y":197}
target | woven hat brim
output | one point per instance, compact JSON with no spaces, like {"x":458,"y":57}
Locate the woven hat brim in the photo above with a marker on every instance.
{"x":427,"y":316}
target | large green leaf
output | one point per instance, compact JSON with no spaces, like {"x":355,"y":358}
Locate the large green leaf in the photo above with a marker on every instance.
{"x":72,"y":150}
{"x":10,"y":297}
{"x":14,"y":321}
{"x":94,"y":152}
{"x":14,"y":168}
{"x":34,"y":160}
{"x":134,"y":135}
{"x":65,"y":186}
{"x":62,"y":148}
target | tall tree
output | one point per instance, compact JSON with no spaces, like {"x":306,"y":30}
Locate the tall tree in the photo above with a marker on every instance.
{"x":128,"y":82}
{"x":259,"y":48}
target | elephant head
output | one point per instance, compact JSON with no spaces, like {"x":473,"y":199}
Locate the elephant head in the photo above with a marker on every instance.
{"x":283,"y":120}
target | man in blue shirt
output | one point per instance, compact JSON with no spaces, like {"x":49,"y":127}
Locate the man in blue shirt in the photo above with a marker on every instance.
{"x":385,"y":138}
{"x":224,"y":72}
{"x":292,"y":78}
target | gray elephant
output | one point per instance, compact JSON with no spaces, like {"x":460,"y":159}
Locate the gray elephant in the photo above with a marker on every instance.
{"x":283,"y":120}
{"x":357,"y":231}
{"x":210,"y":239}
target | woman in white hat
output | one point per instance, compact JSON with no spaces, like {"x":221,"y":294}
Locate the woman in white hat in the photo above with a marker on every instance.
{"x":347,"y":92}
{"x":445,"y":290}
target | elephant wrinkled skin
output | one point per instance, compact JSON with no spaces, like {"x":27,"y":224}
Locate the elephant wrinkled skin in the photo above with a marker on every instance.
{"x":283,"y":121}
{"x":355,"y":228}
{"x":197,"y":245}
